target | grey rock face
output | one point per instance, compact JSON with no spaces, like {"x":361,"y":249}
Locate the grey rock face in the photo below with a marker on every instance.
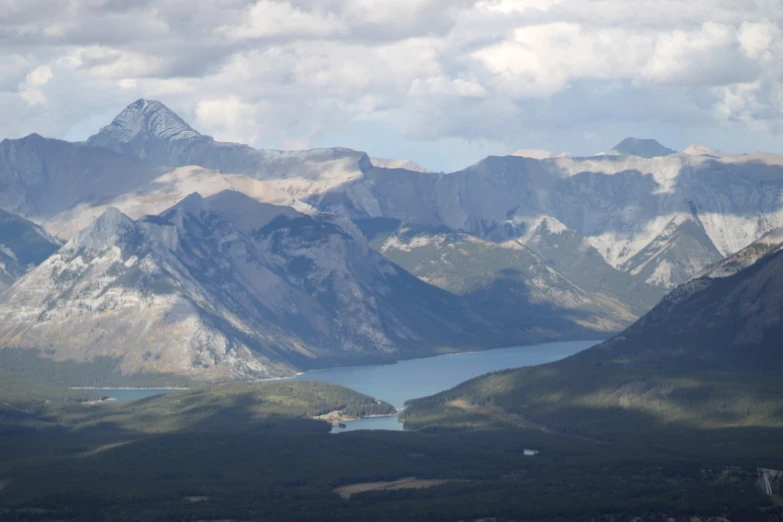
{"x":619,"y":203}
{"x":23,"y":245}
{"x":551,"y":276}
{"x":682,"y":250}
{"x":197,"y":292}
{"x":151,"y":131}
{"x":41,"y":177}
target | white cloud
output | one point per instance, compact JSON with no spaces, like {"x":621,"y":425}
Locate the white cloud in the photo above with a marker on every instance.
{"x":31,"y":89}
{"x":439,"y":85}
{"x":268,"y":19}
{"x":298,"y":71}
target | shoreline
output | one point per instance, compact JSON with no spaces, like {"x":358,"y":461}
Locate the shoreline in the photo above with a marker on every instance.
{"x":449,"y":354}
{"x":296,"y":375}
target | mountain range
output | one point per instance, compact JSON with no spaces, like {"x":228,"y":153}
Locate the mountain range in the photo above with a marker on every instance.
{"x":226,"y":288}
{"x":188,"y":256}
{"x":708,"y":356}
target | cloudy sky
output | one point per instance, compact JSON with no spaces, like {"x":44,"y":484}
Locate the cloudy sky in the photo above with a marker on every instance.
{"x":443,"y":82}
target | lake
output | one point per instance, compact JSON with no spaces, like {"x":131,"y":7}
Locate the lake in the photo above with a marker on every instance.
{"x":414,"y":378}
{"x":411,"y":379}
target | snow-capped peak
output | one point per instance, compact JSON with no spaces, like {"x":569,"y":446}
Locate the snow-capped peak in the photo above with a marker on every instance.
{"x":144,"y":118}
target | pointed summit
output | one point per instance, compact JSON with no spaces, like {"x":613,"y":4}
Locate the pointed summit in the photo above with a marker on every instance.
{"x":110,"y":229}
{"x":143,"y":118}
{"x":645,"y":148}
{"x":148,"y":130}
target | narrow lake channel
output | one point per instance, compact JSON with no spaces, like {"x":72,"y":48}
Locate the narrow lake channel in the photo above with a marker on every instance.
{"x":405,"y":380}
{"x":414,"y":378}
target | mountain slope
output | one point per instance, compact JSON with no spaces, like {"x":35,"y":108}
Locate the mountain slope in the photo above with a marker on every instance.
{"x":552,"y":278}
{"x":682,"y":250}
{"x":23,"y":245}
{"x":708,"y":356}
{"x":42,"y":177}
{"x":202,"y":292}
{"x":162,"y":193}
{"x":575,"y":258}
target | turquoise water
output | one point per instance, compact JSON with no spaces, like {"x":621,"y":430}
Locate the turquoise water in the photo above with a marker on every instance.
{"x":126,"y":395}
{"x":411,"y":379}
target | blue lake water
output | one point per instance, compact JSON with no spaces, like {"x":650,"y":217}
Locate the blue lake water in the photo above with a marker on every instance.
{"x":414,"y":378}
{"x":411,"y":379}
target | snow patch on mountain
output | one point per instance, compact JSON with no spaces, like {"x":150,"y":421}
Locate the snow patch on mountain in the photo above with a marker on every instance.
{"x":662,"y":275}
{"x":542,"y":225}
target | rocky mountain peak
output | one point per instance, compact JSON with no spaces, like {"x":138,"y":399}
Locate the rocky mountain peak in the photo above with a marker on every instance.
{"x":645,"y":148}
{"x":540,"y":226}
{"x":108,"y":230}
{"x":143,"y":119}
{"x":192,"y":204}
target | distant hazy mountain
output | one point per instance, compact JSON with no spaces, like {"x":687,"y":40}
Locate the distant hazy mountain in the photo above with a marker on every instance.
{"x":708,"y":356}
{"x":398,"y":164}
{"x":551,"y":276}
{"x":646,"y":148}
{"x":620,"y":203}
{"x":152,"y":132}
{"x":624,"y":209}
{"x":42,"y":177}
{"x":232,"y":288}
{"x":23,"y":245}
{"x":161,"y":193}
